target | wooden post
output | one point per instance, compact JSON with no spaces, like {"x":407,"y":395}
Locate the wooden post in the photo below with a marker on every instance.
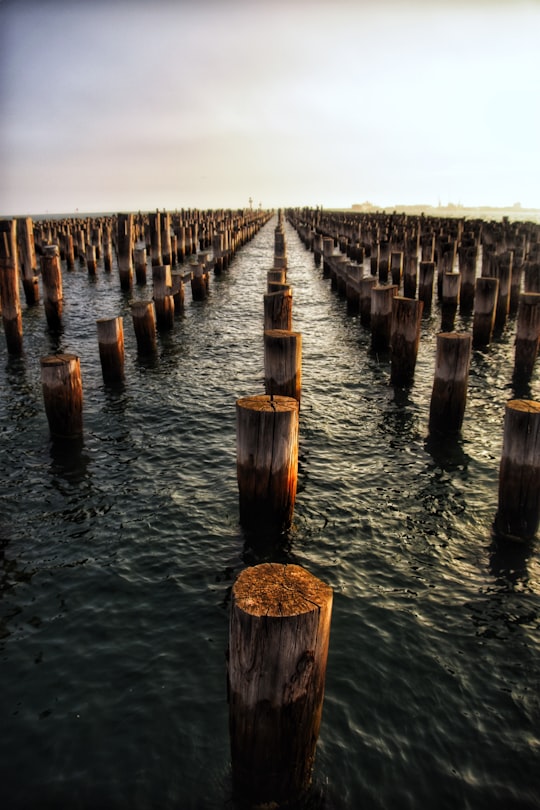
{"x":426,"y":278}
{"x":449,"y":393}
{"x":485,"y":304}
{"x":107,"y":249}
{"x":468,"y":256}
{"x":140,"y":263}
{"x":278,"y":650}
{"x":527,"y":335}
{"x":144,"y":323}
{"x":278,"y":310}
{"x":366,"y":285}
{"x":27,"y":253}
{"x":406,"y":324}
{"x":410,"y":274}
{"x":91,"y":261}
{"x":62,"y":394}
{"x":267,"y":461}
{"x":163,"y":298}
{"x":283,"y":363}
{"x":381,"y":316}
{"x":518,"y":515}
{"x":9,"y":287}
{"x":51,"y":279}
{"x":178,"y":291}
{"x":110,"y":333}
{"x":166,"y":245}
{"x":70,"y":251}
{"x":396,"y":267}
{"x":154,"y":220}
{"x":124,"y":245}
{"x":502,"y":269}
{"x":450,"y":300}
{"x":199,"y":282}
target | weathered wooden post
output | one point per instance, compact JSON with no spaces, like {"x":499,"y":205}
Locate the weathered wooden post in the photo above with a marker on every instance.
{"x":9,"y":287}
{"x":276,"y":669}
{"x":91,"y":260}
{"x":107,"y":249}
{"x":283,"y":363}
{"x":449,"y":393}
{"x":27,"y":253}
{"x":502,"y":269}
{"x":178,"y":291}
{"x":166,"y":244}
{"x":406,"y":324}
{"x":381,"y":315}
{"x":396,"y":267}
{"x":154,"y":220}
{"x":410,"y":273}
{"x":110,"y":332}
{"x":70,"y":251}
{"x":62,"y":394}
{"x":518,"y":514}
{"x":278,"y":309}
{"x":199,"y":281}
{"x":163,"y":297}
{"x":144,"y":324}
{"x":267,"y":461}
{"x":426,"y":279}
{"x":468,"y":257}
{"x":527,"y":335}
{"x":485,"y":304}
{"x":366,"y":285}
{"x":51,"y":279}
{"x":124,"y":243}
{"x":140,"y":263}
{"x":450,"y":299}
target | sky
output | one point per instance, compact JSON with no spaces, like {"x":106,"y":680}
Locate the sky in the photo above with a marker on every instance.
{"x":113,"y":106}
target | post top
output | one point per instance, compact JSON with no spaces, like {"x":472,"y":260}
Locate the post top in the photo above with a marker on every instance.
{"x":265,"y":402}
{"x":526,"y":405}
{"x":277,"y":590}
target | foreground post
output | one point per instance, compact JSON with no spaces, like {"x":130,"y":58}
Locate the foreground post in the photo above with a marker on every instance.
{"x":62,"y":394}
{"x":283,"y":363}
{"x":267,"y":461}
{"x":518,"y":515}
{"x":449,"y":393}
{"x":111,"y":348}
{"x":9,"y":287}
{"x":278,"y":651}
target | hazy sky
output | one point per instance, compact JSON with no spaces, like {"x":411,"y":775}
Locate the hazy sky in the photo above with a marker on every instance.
{"x":108,"y":106}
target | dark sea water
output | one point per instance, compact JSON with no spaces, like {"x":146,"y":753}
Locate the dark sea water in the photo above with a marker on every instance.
{"x":118,"y":558}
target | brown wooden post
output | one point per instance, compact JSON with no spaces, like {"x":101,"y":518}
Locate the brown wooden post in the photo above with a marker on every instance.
{"x":110,"y":333}
{"x":382,"y":297}
{"x":366,"y":286}
{"x":410,"y":273}
{"x":107,"y":248}
{"x":163,"y":298}
{"x":144,"y":323}
{"x":91,"y":261}
{"x":426,"y":279}
{"x":449,"y":393}
{"x":406,"y":324}
{"x":485,"y":304}
{"x":166,"y":245}
{"x":278,"y":650}
{"x":199,"y":281}
{"x":178,"y":291}
{"x":502,"y":269}
{"x":267,"y":461}
{"x":283,"y":363}
{"x":124,"y":246}
{"x":518,"y":514}
{"x":9,"y":287}
{"x":527,"y":335}
{"x":468,"y":257}
{"x":62,"y":394}
{"x":140,"y":263}
{"x":450,"y":299}
{"x":51,"y":279}
{"x":154,"y":220}
{"x":27,"y":253}
{"x":396,"y":267}
{"x":70,"y":251}
{"x":278,"y":310}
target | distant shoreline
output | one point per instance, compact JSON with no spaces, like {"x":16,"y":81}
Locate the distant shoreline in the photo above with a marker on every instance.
{"x":513,"y":213}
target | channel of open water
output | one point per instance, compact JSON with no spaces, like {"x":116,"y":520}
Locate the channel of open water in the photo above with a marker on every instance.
{"x":118,"y":557}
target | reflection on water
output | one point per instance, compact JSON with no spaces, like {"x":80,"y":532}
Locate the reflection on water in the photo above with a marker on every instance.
{"x":118,"y":552}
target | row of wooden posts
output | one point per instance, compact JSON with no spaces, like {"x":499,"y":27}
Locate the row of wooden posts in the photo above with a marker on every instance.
{"x":280,"y":616}
{"x":395,"y":323}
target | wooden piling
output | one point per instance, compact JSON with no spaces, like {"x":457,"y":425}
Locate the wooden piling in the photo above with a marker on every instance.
{"x":140,"y":263}
{"x":124,"y":243}
{"x":267,"y":461}
{"x":91,"y":260}
{"x":410,"y":273}
{"x":9,"y":287}
{"x":527,"y":335}
{"x":485,"y":304}
{"x":51,"y":280}
{"x":283,"y":363}
{"x":144,"y":324}
{"x":406,"y":324}
{"x":518,"y":514}
{"x":178,"y":291}
{"x":28,"y":262}
{"x":163,"y":297}
{"x":382,"y":297}
{"x":426,"y":279}
{"x":366,"y":285}
{"x":278,"y":310}
{"x":110,"y":333}
{"x":278,"y":651}
{"x":62,"y":394}
{"x":449,"y":393}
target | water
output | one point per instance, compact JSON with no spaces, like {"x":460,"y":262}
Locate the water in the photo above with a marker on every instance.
{"x":118,"y":559}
